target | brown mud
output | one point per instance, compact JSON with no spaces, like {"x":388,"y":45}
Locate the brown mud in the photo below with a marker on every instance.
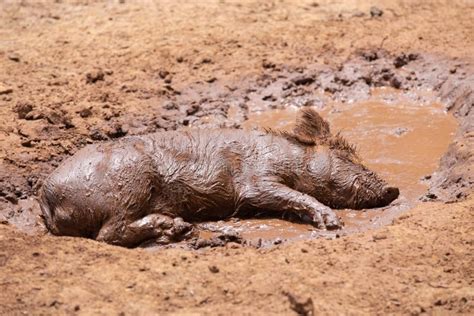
{"x":394,"y":135}
{"x":85,"y":72}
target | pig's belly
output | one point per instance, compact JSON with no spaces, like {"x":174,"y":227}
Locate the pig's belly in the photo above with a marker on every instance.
{"x":210,"y":213}
{"x":207,"y":201}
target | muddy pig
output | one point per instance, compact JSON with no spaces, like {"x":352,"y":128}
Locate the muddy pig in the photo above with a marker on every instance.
{"x":150,"y":187}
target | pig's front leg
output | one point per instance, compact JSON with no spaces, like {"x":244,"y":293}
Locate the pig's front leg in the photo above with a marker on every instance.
{"x":274,"y":196}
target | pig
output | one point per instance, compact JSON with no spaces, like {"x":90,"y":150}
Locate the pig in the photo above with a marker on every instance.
{"x":152,"y":187}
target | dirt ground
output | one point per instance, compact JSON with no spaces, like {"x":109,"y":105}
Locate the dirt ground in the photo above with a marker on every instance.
{"x":89,"y":71}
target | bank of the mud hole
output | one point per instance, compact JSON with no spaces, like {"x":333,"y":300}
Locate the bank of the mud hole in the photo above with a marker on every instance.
{"x":231,"y":103}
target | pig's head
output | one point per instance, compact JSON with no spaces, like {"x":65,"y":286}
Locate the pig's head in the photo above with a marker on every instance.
{"x":340,"y":180}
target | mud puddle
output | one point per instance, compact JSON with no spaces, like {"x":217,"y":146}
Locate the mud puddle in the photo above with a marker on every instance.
{"x":397,"y":137}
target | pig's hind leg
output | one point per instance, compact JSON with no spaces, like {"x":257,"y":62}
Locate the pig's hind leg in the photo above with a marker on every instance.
{"x":274,"y":196}
{"x":157,"y":228}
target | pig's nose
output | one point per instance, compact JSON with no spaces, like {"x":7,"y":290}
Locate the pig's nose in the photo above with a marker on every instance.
{"x":391,"y":194}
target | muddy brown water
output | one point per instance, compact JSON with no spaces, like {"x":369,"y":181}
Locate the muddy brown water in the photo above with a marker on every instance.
{"x":397,"y":137}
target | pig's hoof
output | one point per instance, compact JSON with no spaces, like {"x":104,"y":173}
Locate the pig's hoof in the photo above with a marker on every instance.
{"x":317,"y":221}
{"x":331,"y":221}
{"x":333,"y":225}
{"x":326,"y":219}
{"x":181,"y":230}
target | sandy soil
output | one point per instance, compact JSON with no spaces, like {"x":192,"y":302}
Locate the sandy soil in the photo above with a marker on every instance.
{"x":74,"y":74}
{"x":421,"y":263}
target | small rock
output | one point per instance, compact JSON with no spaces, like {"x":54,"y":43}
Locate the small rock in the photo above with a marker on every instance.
{"x":32,"y":181}
{"x":399,"y":131}
{"x":302,"y":80}
{"x":172,"y":90}
{"x":58,"y":82}
{"x":206,"y":60}
{"x":54,"y":117}
{"x":67,"y":122}
{"x":440,"y":302}
{"x":34,"y":115}
{"x":179,"y":59}
{"x":169,"y":105}
{"x":109,"y":114}
{"x":412,"y":57}
{"x":193,"y":109}
{"x":331,"y":88}
{"x":417,"y":310}
{"x":22,"y":109}
{"x":429,"y":197}
{"x":396,"y":83}
{"x":401,"y":60}
{"x":427,"y":177}
{"x":213,"y":269}
{"x":10,"y":197}
{"x":86,"y":112}
{"x":211,"y":80}
{"x":230,"y":236}
{"x":164,"y":123}
{"x":55,"y":303}
{"x":117,"y":131}
{"x":14,"y":57}
{"x":268,"y":64}
{"x":168,"y":79}
{"x":379,"y":236}
{"x":5,"y":90}
{"x":375,"y":12}
{"x":269,"y":97}
{"x":94,"y":76}
{"x":97,"y":135}
{"x":370,"y":56}
{"x":163,"y":74}
{"x":27,"y":143}
{"x":57,"y":117}
{"x":387,"y":75}
{"x":305,"y":308}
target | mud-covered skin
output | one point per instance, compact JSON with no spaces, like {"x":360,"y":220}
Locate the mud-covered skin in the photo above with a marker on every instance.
{"x":141,"y":188}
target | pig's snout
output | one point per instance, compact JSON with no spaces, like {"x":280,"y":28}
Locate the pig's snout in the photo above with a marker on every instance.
{"x":390,"y":194}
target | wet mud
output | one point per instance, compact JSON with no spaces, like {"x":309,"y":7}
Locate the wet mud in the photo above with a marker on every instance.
{"x":399,"y":138}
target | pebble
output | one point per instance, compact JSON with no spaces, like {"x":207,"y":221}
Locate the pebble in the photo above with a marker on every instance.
{"x":5,"y":89}
{"x":375,"y":12}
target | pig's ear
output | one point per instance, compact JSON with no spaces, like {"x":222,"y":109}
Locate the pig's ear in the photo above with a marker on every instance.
{"x":310,"y":126}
